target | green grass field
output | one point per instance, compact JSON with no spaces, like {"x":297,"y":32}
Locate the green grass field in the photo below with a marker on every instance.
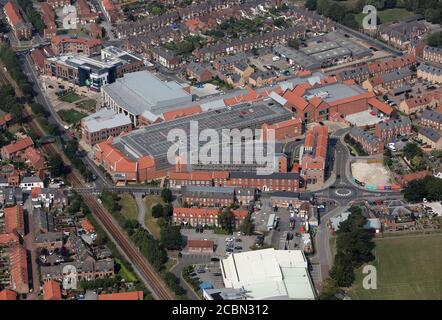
{"x":88,"y":104}
{"x":388,"y":15}
{"x":70,"y":97}
{"x":71,"y":116}
{"x":124,"y":272}
{"x":408,"y":267}
{"x":150,"y":221}
{"x":128,"y":206}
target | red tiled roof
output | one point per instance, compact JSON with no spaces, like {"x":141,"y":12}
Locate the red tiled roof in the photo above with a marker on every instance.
{"x":108,"y":5}
{"x":19,"y":269}
{"x":87,"y":225}
{"x":201,"y":176}
{"x":51,"y":290}
{"x":146,"y":162}
{"x":36,"y":192}
{"x":362,"y":96}
{"x":284,"y":124}
{"x":8,"y":238}
{"x":34,"y":157}
{"x":8,"y":295}
{"x":5,"y":119}
{"x":19,"y":145}
{"x":14,"y":219}
{"x":200,"y":244}
{"x":115,"y":158}
{"x":381,"y":106}
{"x":415,"y":176}
{"x":391,"y":64}
{"x":13,"y":12}
{"x":135,"y":295}
{"x":170,"y":115}
{"x":91,"y":42}
{"x":295,"y":100}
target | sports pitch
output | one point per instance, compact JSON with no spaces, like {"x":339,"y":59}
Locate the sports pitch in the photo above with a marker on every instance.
{"x":408,"y":267}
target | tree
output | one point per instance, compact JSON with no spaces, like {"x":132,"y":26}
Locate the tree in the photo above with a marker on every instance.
{"x":171,"y":237}
{"x":166,"y":195}
{"x":433,"y":15}
{"x":411,"y":150}
{"x":342,"y":270}
{"x":56,"y":166}
{"x":293,"y":43}
{"x":311,"y":4}
{"x":247,"y":227}
{"x":158,"y":210}
{"x":435,"y":40}
{"x":415,"y":190}
{"x":328,"y":290}
{"x":226,"y":220}
{"x":350,"y":21}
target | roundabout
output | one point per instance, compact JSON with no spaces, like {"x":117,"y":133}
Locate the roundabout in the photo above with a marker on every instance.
{"x":343,"y":192}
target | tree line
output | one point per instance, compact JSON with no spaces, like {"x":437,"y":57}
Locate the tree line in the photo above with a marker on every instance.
{"x":354,"y":247}
{"x":345,"y":12}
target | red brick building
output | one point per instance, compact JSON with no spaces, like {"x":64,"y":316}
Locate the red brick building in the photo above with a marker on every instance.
{"x":203,"y":216}
{"x":368,"y":141}
{"x":283,"y":130}
{"x":65,"y":44}
{"x":11,"y":150}
{"x":198,"y":178}
{"x":328,"y":100}
{"x":22,"y":29}
{"x":278,"y":181}
{"x":393,"y":128}
{"x":200,"y":246}
{"x":51,"y":290}
{"x":314,"y":159}
{"x":208,"y":196}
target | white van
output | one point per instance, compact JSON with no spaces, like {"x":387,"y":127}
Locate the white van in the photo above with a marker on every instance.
{"x":276,"y":58}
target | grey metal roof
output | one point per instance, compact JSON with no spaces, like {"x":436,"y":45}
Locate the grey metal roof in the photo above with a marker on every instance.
{"x":141,"y":91}
{"x":336,"y":91}
{"x":432,"y":115}
{"x":298,"y":57}
{"x":430,"y":69}
{"x":152,"y":139}
{"x":356,"y":132}
{"x":402,"y":89}
{"x":394,"y":123}
{"x":430,"y":134}
{"x":354,"y":73}
{"x":397,"y":75}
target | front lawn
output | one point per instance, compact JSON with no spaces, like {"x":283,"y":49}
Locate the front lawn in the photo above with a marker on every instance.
{"x":70,"y":97}
{"x":88,"y":104}
{"x":150,"y":221}
{"x":71,"y":116}
{"x":128,"y":205}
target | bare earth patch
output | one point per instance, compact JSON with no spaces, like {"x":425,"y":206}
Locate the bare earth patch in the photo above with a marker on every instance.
{"x":371,"y":173}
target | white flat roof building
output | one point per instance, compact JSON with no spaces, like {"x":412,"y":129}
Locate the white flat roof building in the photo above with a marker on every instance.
{"x":269,"y":274}
{"x":104,"y":119}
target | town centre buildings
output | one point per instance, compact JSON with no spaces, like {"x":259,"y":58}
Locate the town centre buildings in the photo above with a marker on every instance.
{"x":143,"y":154}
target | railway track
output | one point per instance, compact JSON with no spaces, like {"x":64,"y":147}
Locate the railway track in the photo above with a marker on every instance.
{"x":157,"y":286}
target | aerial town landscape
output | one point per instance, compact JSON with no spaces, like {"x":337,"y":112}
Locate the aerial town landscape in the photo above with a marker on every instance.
{"x":220,"y":150}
